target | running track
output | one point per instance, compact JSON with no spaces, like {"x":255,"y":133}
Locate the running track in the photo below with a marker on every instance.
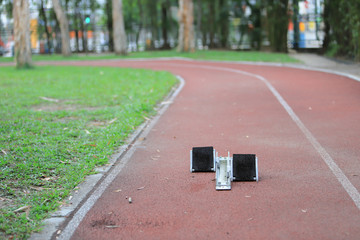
{"x":303,"y":125}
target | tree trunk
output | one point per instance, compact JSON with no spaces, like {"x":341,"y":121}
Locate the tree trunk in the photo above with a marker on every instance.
{"x":109,"y":24}
{"x":326,"y":41}
{"x":76,"y":29}
{"x":153,"y":14}
{"x":64,"y":28}
{"x":22,"y":33}
{"x":186,"y":28}
{"x":83,"y":32}
{"x":165,"y":24}
{"x":43,"y":15}
{"x":278,"y":20}
{"x":212,"y":25}
{"x":198,"y":21}
{"x":224,"y":22}
{"x":296,"y":24}
{"x":141,"y":13}
{"x":120,"y":45}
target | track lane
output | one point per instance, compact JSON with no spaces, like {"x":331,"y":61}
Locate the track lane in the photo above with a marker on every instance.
{"x":297,"y":197}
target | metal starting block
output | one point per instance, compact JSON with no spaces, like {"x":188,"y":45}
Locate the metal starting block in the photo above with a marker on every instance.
{"x":223,"y":172}
{"x":240,"y":167}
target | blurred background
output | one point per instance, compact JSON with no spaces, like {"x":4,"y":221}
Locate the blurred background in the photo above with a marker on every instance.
{"x":326,"y":26}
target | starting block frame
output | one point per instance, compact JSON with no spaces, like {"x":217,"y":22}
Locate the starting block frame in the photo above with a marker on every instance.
{"x":240,"y":167}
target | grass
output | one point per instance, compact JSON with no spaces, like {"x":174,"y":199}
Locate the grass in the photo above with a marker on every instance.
{"x":199,"y":55}
{"x":57,"y":124}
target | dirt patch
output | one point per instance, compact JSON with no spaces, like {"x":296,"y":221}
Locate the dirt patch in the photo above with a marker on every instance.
{"x":53,"y":107}
{"x":66,"y":119}
{"x":4,"y":202}
{"x":96,"y":123}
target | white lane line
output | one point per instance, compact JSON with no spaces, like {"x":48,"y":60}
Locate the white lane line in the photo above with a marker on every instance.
{"x":340,"y":176}
{"x":85,"y":208}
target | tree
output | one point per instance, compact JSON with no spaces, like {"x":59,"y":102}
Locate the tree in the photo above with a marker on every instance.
{"x":212,"y":23}
{"x":255,"y":23}
{"x":120,"y":44}
{"x":64,"y":28}
{"x":342,"y":28}
{"x":42,"y":15}
{"x":224,"y":22}
{"x":22,"y":33}
{"x":152,"y":14}
{"x":109,"y":23}
{"x":278,"y":20}
{"x":186,"y":28}
{"x":141,"y":22}
{"x":165,"y":23}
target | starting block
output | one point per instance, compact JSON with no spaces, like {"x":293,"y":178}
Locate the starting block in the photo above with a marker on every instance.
{"x":223,"y":173}
{"x":240,"y":167}
{"x":202,"y":159}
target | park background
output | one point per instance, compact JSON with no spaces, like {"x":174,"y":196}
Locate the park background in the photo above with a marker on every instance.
{"x":330,"y":27}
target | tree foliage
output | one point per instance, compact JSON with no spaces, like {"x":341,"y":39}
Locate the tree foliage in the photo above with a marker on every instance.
{"x":278,"y":19}
{"x":342,"y":21}
{"x":154,"y":24}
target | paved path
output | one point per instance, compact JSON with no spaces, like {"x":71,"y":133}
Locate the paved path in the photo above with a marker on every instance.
{"x":303,"y":126}
{"x":317,"y":61}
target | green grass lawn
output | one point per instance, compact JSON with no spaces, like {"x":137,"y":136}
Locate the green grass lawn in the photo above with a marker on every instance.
{"x":57,"y":124}
{"x":199,"y":55}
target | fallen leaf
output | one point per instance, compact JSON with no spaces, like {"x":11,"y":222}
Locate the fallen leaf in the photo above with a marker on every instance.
{"x":112,"y":226}
{"x":22,"y":209}
{"x":92,"y":145}
{"x":38,"y":188}
{"x":166,"y":102}
{"x":141,"y":188}
{"x":112,"y":121}
{"x":50,"y":99}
